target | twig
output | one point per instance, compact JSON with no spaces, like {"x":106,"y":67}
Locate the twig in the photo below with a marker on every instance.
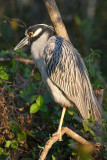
{"x":23,"y":60}
{"x":55,"y":138}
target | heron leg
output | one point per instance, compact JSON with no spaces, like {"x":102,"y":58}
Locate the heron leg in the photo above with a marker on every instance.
{"x":60,"y":124}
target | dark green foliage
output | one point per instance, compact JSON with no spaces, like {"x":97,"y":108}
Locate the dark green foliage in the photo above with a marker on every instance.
{"x":27,"y":94}
{"x":94,"y":68}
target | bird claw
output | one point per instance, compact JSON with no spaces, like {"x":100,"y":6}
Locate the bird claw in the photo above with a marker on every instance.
{"x":58,"y":133}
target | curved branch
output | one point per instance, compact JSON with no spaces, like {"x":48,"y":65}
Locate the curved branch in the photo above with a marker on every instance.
{"x":55,"y":138}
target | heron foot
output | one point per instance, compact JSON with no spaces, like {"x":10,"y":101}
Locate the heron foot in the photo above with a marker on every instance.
{"x":58,"y":133}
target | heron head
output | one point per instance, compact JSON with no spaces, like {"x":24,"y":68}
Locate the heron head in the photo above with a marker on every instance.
{"x":33,"y":33}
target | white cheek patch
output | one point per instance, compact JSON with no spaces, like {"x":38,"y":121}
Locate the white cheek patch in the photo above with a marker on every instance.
{"x":37,"y":32}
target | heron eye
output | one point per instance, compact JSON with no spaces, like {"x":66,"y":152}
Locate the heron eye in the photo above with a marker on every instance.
{"x":30,"y":34}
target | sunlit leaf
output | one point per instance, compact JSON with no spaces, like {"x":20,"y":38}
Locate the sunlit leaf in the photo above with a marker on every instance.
{"x":74,"y":154}
{"x":40,"y":101}
{"x":53,"y":158}
{"x":8,"y":144}
{"x":34,"y":108}
{"x":1,"y":150}
{"x":87,"y":128}
{"x":3,"y":74}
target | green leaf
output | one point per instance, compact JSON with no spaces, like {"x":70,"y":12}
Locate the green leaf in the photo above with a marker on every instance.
{"x":91,"y":131}
{"x":3,"y":74}
{"x":32,"y":98}
{"x":74,"y":154}
{"x":53,"y":158}
{"x":13,"y":63}
{"x":44,"y":108}
{"x":21,"y":136}
{"x":40,"y":101}
{"x":13,"y":68}
{"x":86,"y":128}
{"x":7,"y":145}
{"x":1,"y":150}
{"x":14,"y":144}
{"x":34,"y":108}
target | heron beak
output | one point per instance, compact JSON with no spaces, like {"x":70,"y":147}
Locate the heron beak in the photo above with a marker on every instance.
{"x":23,"y":42}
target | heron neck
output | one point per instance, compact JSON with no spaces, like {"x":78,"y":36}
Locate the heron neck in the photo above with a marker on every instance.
{"x":37,"y":49}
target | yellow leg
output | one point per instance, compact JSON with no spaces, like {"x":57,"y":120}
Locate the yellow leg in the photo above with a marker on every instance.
{"x":62,"y":117}
{"x":60,"y":124}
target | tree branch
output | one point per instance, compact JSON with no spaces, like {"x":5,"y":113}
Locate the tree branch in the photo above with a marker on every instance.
{"x":22,"y":60}
{"x":55,"y":138}
{"x":56,"y":18}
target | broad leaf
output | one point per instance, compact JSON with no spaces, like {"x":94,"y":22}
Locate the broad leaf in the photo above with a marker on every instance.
{"x":8,"y":144}
{"x":1,"y":150}
{"x":53,"y":158}
{"x":34,"y":108}
{"x":3,"y":74}
{"x":40,"y":101}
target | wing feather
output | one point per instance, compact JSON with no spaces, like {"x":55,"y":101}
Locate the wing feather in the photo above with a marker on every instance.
{"x":67,"y":71}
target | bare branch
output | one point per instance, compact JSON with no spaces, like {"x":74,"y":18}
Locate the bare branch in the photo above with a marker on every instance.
{"x":56,"y":18}
{"x":55,"y":138}
{"x":22,"y":60}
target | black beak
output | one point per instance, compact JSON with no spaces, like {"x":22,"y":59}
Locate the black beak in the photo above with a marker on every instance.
{"x":23,"y":42}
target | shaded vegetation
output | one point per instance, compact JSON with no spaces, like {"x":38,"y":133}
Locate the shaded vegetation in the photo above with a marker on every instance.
{"x":22,"y":92}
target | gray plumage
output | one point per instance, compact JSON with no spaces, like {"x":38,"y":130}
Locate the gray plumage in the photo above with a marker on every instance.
{"x":67,"y":71}
{"x":64,"y":73}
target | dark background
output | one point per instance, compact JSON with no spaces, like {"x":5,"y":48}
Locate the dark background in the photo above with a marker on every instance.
{"x":85,"y":21}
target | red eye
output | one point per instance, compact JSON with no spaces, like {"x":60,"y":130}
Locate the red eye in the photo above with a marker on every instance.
{"x":30,"y":33}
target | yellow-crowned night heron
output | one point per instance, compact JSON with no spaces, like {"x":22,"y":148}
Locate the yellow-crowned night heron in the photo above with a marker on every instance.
{"x":62,"y":70}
